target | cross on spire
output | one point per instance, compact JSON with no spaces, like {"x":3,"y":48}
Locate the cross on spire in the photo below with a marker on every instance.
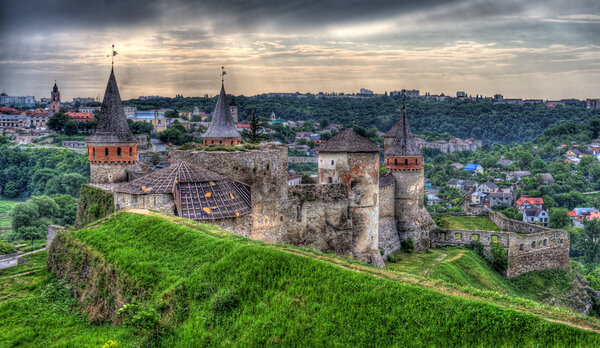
{"x":223,"y":73}
{"x":112,"y":55}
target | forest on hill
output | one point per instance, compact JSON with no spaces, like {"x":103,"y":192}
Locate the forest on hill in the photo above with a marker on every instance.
{"x":493,"y":123}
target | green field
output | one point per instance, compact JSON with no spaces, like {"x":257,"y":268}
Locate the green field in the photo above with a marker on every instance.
{"x":481,"y":223}
{"x":223,"y":289}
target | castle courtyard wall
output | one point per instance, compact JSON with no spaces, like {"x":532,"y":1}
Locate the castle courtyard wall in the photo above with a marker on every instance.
{"x":163,"y":203}
{"x":538,"y":251}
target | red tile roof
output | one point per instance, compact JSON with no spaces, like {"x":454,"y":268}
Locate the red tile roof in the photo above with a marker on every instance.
{"x":530,"y":200}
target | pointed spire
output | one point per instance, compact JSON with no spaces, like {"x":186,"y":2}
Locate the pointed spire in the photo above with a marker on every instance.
{"x":404,"y":142}
{"x":222,"y":125}
{"x":112,"y":122}
{"x":55,"y":88}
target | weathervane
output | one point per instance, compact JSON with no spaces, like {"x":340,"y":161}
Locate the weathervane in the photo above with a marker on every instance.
{"x":114,"y":53}
{"x":223,"y":73}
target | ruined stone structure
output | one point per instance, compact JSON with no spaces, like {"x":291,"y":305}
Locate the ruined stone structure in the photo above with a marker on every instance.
{"x":112,"y":148}
{"x":54,"y":100}
{"x":222,"y":129}
{"x":454,"y":144}
{"x":405,"y":162}
{"x":529,"y":247}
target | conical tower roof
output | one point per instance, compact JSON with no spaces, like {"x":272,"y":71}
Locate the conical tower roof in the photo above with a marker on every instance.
{"x":112,"y":122}
{"x":222,"y":125}
{"x":55,"y":88}
{"x":348,"y":141}
{"x":404,"y":141}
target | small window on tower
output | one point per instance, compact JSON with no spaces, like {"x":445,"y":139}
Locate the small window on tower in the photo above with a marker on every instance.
{"x":106,"y":151}
{"x":93,"y":151}
{"x":130,"y":151}
{"x":332,"y":162}
{"x":118,"y":152}
{"x":406,"y":162}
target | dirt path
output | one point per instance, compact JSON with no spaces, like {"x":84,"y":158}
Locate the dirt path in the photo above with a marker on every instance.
{"x":20,"y":274}
{"x":540,"y":311}
{"x":456,"y":257}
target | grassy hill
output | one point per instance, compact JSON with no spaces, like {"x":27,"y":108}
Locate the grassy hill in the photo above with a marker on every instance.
{"x":204,"y":287}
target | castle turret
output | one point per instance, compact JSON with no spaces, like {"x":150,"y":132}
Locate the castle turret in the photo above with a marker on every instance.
{"x":222,"y":129}
{"x":353,"y":161}
{"x":54,"y":100}
{"x":405,"y":161}
{"x":112,"y":148}
{"x":233,"y":109}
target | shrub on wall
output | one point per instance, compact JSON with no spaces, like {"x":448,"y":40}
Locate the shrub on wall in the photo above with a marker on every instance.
{"x":408,"y":245}
{"x":498,"y":257}
{"x":94,"y":204}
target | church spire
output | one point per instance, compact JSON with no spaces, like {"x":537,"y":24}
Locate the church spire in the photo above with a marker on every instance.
{"x":222,"y":129}
{"x":404,"y":142}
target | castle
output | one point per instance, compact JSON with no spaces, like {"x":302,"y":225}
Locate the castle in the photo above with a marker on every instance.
{"x":353,"y":210}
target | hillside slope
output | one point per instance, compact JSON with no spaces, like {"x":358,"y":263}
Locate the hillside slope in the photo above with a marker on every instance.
{"x":212,"y":288}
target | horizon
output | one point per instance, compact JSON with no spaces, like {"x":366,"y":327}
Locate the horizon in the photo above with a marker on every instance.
{"x":532,"y":50}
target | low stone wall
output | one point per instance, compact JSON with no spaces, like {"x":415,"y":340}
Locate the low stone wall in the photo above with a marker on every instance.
{"x":441,"y":238}
{"x":538,"y":251}
{"x":52,"y":230}
{"x":507,"y":224}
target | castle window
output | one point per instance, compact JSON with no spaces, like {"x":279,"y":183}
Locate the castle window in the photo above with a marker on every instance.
{"x":494,"y":238}
{"x":475,"y":237}
{"x":329,"y":180}
{"x":522,"y":247}
{"x":395,"y":161}
{"x":443,"y":235}
{"x":405,"y":162}
{"x":416,"y":162}
{"x":94,"y":151}
{"x":458,"y":236}
{"x":533,"y":245}
{"x":106,"y":151}
{"x":332,"y":162}
{"x":130,"y":151}
{"x":118,"y":152}
{"x":545,"y":242}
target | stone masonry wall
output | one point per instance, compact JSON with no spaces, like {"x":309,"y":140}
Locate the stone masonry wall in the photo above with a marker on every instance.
{"x":389,"y":240}
{"x":161,"y":202}
{"x":538,"y":251}
{"x":507,"y":224}
{"x":320,"y":218}
{"x":102,"y":173}
{"x":441,"y":238}
{"x":52,"y":230}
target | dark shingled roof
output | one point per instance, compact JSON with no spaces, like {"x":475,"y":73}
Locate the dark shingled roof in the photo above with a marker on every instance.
{"x":222,"y":125}
{"x":55,"y":88}
{"x":386,"y":179}
{"x":112,"y":122}
{"x":348,"y":141}
{"x":199,"y":194}
{"x":404,"y":141}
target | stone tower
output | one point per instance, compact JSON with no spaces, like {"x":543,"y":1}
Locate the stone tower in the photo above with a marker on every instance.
{"x":112,"y":148}
{"x":54,"y":100}
{"x":405,"y":161}
{"x":233,"y":109}
{"x":222,"y":129}
{"x":353,"y":161}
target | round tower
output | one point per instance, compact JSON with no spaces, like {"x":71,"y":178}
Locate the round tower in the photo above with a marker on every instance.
{"x":222,"y":129}
{"x":112,"y":148}
{"x":233,"y":109}
{"x":54,"y":100}
{"x":353,"y":161}
{"x":405,"y":161}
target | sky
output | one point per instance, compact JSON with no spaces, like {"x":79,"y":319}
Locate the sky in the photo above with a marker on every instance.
{"x":527,"y":49}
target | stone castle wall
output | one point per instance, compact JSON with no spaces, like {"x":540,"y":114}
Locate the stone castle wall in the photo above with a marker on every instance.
{"x":441,"y":238}
{"x":109,"y":172}
{"x":538,"y":251}
{"x":320,"y":218}
{"x":513,"y":225}
{"x":52,"y":230}
{"x":164,"y":203}
{"x":388,"y":235}
{"x":412,"y":219}
{"x":265,"y":170}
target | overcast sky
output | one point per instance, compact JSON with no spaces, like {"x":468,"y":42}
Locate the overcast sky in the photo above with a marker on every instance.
{"x":530,"y":49}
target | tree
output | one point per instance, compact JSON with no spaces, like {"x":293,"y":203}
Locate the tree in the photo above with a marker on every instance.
{"x":24,"y":214}
{"x":254,"y":134}
{"x":590,"y":241}
{"x":57,"y":122}
{"x":171,"y":114}
{"x":155,"y":158}
{"x":70,"y":127}
{"x":559,"y":218}
{"x":11,"y":189}
{"x":69,"y":184}
{"x":498,"y":256}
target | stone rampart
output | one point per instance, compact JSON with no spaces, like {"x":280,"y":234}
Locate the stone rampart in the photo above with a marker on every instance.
{"x":52,"y":230}
{"x":538,"y":251}
{"x":302,"y":159}
{"x":389,"y":240}
{"x":441,"y":238}
{"x":93,"y":203}
{"x":507,"y":224}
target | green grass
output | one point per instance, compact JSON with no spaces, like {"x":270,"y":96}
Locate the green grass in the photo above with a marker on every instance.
{"x":38,"y":310}
{"x":465,"y":268}
{"x":481,"y":223}
{"x":243,"y":293}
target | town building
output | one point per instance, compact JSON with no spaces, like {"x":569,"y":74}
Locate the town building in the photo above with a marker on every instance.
{"x":517,"y":175}
{"x":80,"y":116}
{"x":529,"y":202}
{"x":54,"y":100}
{"x":580,"y":215}
{"x":536,"y":215}
{"x":487,"y":187}
{"x":500,"y":199}
{"x":366,"y":91}
{"x":14,"y":121}
{"x":592,"y":103}
{"x":474,"y":168}
{"x":83,"y":100}
{"x":17,"y":102}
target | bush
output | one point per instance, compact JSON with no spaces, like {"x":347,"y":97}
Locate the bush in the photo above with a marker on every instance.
{"x":408,"y":245}
{"x":7,"y":248}
{"x":498,"y":257}
{"x":225,"y":302}
{"x":139,"y":317}
{"x":476,"y":246}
